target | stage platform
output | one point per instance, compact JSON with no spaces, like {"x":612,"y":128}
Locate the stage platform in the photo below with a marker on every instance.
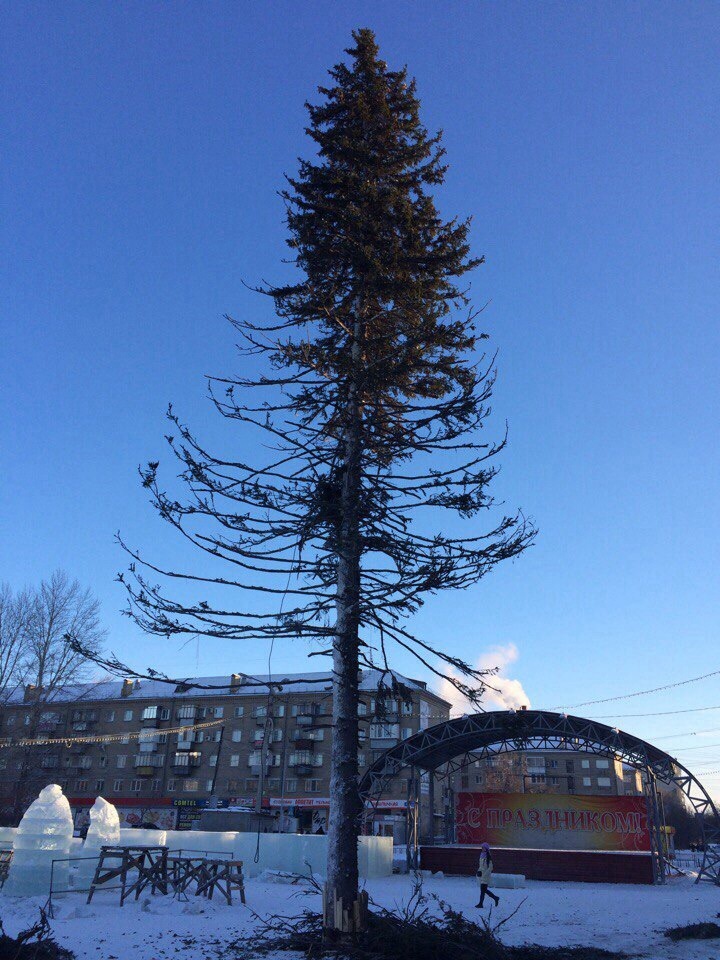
{"x":590,"y":866}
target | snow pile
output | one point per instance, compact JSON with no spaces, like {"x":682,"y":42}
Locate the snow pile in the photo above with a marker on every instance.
{"x":104,"y":829}
{"x":45,"y":834}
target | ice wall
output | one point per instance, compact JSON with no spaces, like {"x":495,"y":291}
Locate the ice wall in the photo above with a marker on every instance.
{"x":45,"y":834}
{"x":291,"y":852}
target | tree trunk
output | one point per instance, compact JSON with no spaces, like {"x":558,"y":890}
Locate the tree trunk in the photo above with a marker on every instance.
{"x":345,"y":810}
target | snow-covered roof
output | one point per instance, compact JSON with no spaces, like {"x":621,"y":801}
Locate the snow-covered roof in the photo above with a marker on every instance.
{"x":194,"y":687}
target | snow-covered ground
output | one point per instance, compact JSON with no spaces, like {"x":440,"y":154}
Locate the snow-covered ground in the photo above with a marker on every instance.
{"x":620,"y":917}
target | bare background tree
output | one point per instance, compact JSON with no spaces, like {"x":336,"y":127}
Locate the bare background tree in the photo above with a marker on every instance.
{"x":37,"y":661}
{"x":15,"y":619}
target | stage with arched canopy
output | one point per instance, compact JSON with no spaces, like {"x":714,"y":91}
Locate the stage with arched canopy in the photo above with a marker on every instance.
{"x":482,"y":735}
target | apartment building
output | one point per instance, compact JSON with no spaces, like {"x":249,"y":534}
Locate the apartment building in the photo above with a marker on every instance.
{"x":161,"y":753}
{"x":549,"y":771}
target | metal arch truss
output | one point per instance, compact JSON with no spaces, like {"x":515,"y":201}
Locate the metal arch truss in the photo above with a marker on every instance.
{"x":486,"y":735}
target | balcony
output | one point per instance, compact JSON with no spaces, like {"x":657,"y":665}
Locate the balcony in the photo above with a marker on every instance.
{"x":145,"y":771}
{"x":150,"y":717}
{"x":303,"y":743}
{"x":304,"y":769}
{"x":306,"y":719}
{"x":186,"y":761}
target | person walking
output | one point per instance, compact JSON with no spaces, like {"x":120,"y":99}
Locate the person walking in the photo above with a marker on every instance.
{"x":484,"y":873}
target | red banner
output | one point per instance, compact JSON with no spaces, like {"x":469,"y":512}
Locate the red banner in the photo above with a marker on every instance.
{"x":552,"y":821}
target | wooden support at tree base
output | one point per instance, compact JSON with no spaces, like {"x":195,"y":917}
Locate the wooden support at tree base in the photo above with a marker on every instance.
{"x":341,"y":919}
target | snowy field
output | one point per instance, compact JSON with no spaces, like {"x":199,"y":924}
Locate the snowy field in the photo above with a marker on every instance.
{"x":617,"y":917}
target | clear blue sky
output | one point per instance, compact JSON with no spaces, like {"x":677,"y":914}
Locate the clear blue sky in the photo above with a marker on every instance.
{"x":143,"y":145}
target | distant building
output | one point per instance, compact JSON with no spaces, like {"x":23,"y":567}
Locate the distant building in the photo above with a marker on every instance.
{"x":164,"y":753}
{"x":549,"y":771}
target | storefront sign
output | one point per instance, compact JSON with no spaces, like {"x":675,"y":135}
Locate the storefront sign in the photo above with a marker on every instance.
{"x":553,"y":821}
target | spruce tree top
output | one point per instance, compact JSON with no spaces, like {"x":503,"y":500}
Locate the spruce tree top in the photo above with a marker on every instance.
{"x":369,"y":239}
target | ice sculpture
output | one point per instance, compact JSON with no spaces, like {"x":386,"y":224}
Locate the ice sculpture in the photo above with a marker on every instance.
{"x":44,"y":835}
{"x":104,"y":829}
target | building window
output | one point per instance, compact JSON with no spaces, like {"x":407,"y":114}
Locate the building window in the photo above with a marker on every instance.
{"x":478,"y":779}
{"x":121,"y":760}
{"x":361,"y":759}
{"x":110,"y":716}
{"x":81,"y":786}
{"x":99,"y":786}
{"x":209,"y":784}
{"x":171,"y":786}
{"x":235,"y":760}
{"x":312,"y":786}
{"x":587,"y":781}
{"x":237,"y":736}
{"x":585,"y":764}
{"x":239,"y":711}
{"x":218,"y":712}
{"x":407,"y":708}
{"x":552,"y":764}
{"x":125,"y":740}
{"x":231,"y":785}
{"x":537,"y":778}
{"x":191,"y":786}
{"x":11,"y":720}
{"x":291,"y":785}
{"x":603,"y":781}
{"x":554,"y":781}
{"x":407,"y":732}
{"x":102,"y":760}
{"x":384,"y":731}
{"x":464,"y":783}
{"x":602,"y":764}
{"x":136,"y":786}
{"x":117,"y":786}
{"x":149,"y":713}
{"x":186,"y":713}
{"x":362,"y":709}
{"x":128,"y":715}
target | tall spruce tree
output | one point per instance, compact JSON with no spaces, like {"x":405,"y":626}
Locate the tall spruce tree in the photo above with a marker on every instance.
{"x":373,"y":396}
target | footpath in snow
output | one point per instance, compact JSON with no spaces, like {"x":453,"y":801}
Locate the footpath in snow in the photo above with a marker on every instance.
{"x":616,"y":917}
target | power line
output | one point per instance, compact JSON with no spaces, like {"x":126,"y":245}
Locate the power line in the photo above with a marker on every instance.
{"x":641,"y":693}
{"x":702,"y":746}
{"x":147,"y":733}
{"x":659,"y":713}
{"x":689,"y":733}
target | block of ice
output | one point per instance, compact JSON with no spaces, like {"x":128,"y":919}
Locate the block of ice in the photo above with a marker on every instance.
{"x":104,"y":829}
{"x":104,"y":824}
{"x":44,"y":835}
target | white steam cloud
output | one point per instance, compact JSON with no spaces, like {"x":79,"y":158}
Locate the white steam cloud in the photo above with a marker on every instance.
{"x":507,"y":693}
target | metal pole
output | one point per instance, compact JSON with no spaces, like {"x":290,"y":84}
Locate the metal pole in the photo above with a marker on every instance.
{"x":217,"y":761}
{"x":431,"y":805}
{"x":658,"y":830}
